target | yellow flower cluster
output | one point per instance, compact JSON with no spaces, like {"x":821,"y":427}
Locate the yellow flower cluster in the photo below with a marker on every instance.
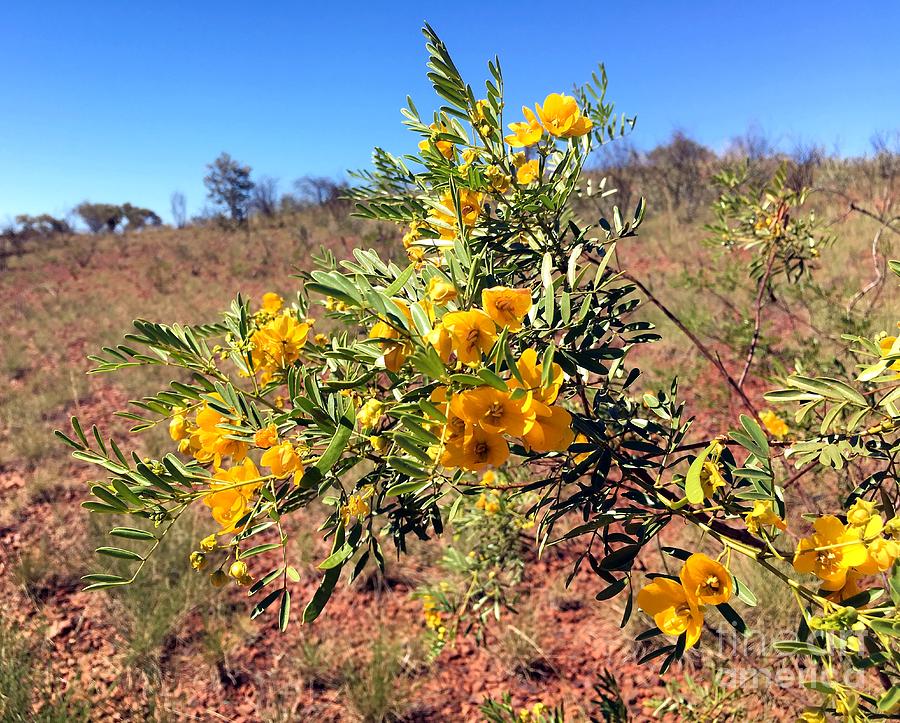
{"x":357,"y":505}
{"x":479,"y":419}
{"x":677,"y":607}
{"x":535,"y":714}
{"x":841,"y":554}
{"x":434,"y":619}
{"x":277,"y":343}
{"x":559,"y":116}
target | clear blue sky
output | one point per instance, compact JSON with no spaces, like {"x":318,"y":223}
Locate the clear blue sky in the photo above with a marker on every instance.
{"x":127,"y":101}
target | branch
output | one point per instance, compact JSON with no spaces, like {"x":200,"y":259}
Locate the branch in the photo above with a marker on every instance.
{"x":760,"y":292}
{"x":701,"y":347}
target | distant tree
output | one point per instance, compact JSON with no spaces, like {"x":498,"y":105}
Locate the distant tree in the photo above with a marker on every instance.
{"x":805,"y":159}
{"x":319,"y":190}
{"x":264,"y":196}
{"x":753,"y":145}
{"x":179,"y":209}
{"x":138,"y":218}
{"x":228,"y":184}
{"x":43,"y":225}
{"x":681,"y":168}
{"x":99,"y":216}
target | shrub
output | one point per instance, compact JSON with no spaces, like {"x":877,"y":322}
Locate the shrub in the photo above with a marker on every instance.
{"x":506,"y":345}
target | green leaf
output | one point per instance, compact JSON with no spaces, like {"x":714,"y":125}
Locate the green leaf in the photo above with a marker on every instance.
{"x":756,"y":434}
{"x":693,"y":487}
{"x":323,"y":593}
{"x":405,"y":488}
{"x":284,"y":614}
{"x":131,"y":533}
{"x":890,"y":700}
{"x":119,"y":553}
{"x":800,"y":647}
{"x":316,"y":473}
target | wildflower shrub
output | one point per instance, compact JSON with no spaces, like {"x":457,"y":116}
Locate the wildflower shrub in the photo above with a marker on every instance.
{"x":487,"y":383}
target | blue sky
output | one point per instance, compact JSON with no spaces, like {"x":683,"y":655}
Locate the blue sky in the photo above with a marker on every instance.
{"x":127,"y":101}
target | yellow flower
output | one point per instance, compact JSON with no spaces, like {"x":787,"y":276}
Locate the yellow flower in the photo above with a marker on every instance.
{"x":230,"y":494}
{"x":476,"y":451}
{"x":468,"y":157}
{"x":211,"y":442}
{"x":813,"y":715}
{"x":551,"y":431}
{"x":412,"y":235}
{"x":851,"y":587}
{"x":445,"y":148}
{"x":278,"y":343}
{"x":881,"y":556}
{"x":283,"y":460}
{"x":494,"y":411}
{"x":472,"y":333}
{"x":886,"y":345}
{"x":489,"y":504}
{"x":396,"y":347}
{"x":238,"y":569}
{"x":860,"y":513}
{"x":218,"y":579}
{"x":178,"y":428}
{"x":532,"y":374}
{"x":761,"y":515}
{"x":711,"y":478}
{"x":489,"y":478}
{"x":357,"y":505}
{"x":370,"y":412}
{"x":528,"y":172}
{"x":199,"y":561}
{"x":830,"y":552}
{"x":321,"y":339}
{"x":674,"y":613}
{"x":208,"y":543}
{"x":497,"y":179}
{"x":455,"y":428}
{"x":266,"y":437}
{"x":272,"y":302}
{"x":507,"y":307}
{"x":379,"y":444}
{"x":470,"y":205}
{"x":525,"y":133}
{"x":774,"y":424}
{"x":441,"y":340}
{"x":440,"y":291}
{"x":581,"y":456}
{"x":706,"y":581}
{"x":561,"y":116}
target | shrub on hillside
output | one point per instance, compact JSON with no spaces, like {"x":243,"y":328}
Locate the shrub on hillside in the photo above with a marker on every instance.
{"x":489,"y":384}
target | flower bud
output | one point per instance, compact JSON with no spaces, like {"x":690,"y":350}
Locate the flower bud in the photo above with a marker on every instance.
{"x":218,"y":579}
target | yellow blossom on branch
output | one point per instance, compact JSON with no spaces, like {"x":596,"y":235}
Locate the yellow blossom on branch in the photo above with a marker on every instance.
{"x":472,"y":333}
{"x":507,"y":307}
{"x":562,"y":117}
{"x":830,"y":552}
{"x":272,"y":302}
{"x":525,"y":133}
{"x":674,"y":613}
{"x":762,"y":515}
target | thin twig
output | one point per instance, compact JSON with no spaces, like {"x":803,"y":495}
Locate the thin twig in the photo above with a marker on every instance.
{"x":760,"y":292}
{"x":701,"y":347}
